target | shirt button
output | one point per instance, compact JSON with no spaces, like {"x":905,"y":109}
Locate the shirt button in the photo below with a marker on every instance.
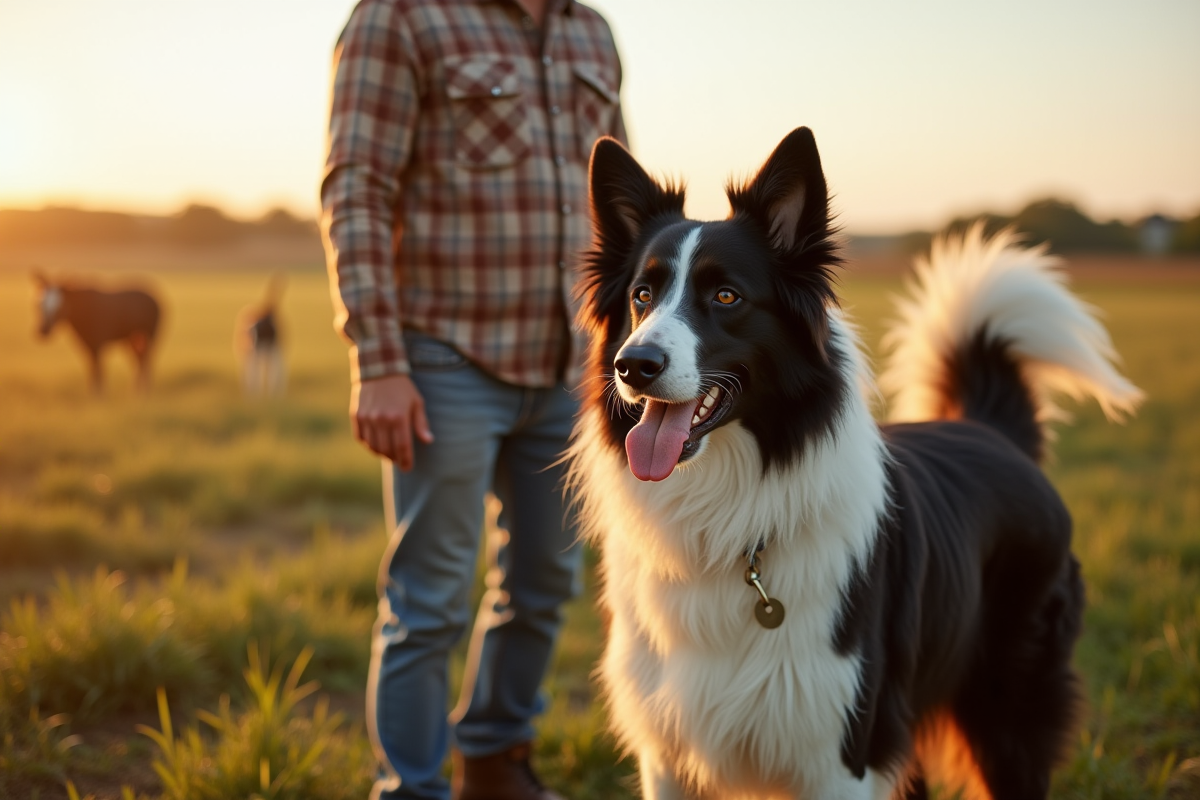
{"x":547,"y":60}
{"x":562,"y":265}
{"x":527,"y":22}
{"x":555,"y":110}
{"x":496,"y":91}
{"x":566,"y":209}
{"x":560,"y":160}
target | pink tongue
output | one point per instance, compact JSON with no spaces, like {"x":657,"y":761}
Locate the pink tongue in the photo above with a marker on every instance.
{"x":655,"y":443}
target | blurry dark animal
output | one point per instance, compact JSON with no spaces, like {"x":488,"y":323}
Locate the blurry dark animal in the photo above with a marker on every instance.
{"x":259,"y":345}
{"x":99,"y":318}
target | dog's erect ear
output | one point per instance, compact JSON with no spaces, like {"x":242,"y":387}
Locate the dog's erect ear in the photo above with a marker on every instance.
{"x":788,"y":198}
{"x":788,"y":195}
{"x":624,"y":198}
{"x":626,"y":202}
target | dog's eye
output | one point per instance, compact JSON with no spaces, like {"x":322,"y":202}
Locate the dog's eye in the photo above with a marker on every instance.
{"x":642,"y":295}
{"x":727,"y":297}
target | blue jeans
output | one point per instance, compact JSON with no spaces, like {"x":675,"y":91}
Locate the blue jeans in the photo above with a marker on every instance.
{"x":488,"y":435}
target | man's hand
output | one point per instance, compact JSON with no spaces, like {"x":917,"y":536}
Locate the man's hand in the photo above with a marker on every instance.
{"x":385,"y":413}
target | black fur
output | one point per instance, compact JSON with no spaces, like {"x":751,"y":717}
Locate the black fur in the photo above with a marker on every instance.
{"x":984,"y":384}
{"x":971,"y":604}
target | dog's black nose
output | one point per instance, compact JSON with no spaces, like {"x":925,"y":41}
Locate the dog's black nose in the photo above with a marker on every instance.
{"x":638,"y":365}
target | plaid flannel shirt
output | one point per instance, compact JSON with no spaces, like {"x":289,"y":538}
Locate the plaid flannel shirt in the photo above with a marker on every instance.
{"x":455,"y":191}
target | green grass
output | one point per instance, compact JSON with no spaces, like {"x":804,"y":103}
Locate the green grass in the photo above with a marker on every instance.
{"x":271,"y":750}
{"x":155,"y":541}
{"x":1134,"y":492}
{"x":194,"y":469}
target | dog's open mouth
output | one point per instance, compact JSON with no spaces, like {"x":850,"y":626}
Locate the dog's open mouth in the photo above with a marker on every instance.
{"x":670,"y":433}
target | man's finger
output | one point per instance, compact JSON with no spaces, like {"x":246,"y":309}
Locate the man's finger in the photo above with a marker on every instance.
{"x":421,"y":423}
{"x":385,"y":441}
{"x":401,"y":433}
{"x":373,"y":438}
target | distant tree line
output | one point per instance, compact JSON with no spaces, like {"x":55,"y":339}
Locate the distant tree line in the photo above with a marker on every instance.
{"x":195,"y":226}
{"x":1061,"y":223}
{"x":1067,"y":229}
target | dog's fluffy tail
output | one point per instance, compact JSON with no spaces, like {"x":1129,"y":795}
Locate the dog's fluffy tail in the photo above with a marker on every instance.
{"x":990,"y":332}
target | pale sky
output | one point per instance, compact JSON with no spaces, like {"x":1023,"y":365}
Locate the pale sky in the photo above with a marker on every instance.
{"x":922,"y":109}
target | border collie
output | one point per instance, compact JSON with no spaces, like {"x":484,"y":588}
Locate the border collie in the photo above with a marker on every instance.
{"x":805,"y":604}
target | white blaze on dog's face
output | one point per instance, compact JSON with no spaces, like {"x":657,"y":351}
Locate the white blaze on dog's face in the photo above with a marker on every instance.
{"x":660,"y":326}
{"x":664,"y":362}
{"x":683,"y":356}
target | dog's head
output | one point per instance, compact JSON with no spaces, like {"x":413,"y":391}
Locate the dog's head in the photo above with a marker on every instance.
{"x":696,"y":325}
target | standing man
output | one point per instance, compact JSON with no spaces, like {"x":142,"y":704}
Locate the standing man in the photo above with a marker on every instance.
{"x":455,"y":205}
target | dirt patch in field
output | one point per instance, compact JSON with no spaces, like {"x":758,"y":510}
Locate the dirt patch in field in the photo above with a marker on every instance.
{"x":1139,"y":269}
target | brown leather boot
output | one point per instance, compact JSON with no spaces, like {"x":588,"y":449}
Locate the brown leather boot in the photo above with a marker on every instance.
{"x":503,"y":776}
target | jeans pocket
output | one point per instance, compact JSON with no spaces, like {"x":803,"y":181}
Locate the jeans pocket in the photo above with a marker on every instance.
{"x":431,"y":355}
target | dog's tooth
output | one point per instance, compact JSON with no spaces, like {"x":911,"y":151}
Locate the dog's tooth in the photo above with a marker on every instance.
{"x":702,"y":411}
{"x":695,"y":420}
{"x":708,"y":401}
{"x":714,"y":392}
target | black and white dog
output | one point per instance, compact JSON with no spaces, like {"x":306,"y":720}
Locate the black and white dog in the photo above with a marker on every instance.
{"x":805,"y":604}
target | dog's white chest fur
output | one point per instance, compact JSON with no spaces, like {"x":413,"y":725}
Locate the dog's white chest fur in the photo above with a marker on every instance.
{"x":723,"y":706}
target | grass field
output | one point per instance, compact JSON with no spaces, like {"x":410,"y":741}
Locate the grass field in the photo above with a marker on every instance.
{"x":169,"y":564}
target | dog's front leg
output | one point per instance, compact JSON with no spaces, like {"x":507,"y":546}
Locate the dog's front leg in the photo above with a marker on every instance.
{"x":841,"y":785}
{"x":658,"y":780}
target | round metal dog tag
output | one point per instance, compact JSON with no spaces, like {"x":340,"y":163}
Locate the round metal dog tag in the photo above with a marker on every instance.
{"x":769,"y":614}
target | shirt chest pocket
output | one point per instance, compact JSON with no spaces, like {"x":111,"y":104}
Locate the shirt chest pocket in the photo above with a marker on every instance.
{"x":595,"y":104}
{"x":491,"y":127}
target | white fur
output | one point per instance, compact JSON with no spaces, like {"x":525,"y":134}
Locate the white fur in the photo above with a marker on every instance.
{"x":263,"y":371}
{"x":52,"y":300}
{"x":666,"y":328}
{"x":712,"y":704}
{"x":1019,"y":294}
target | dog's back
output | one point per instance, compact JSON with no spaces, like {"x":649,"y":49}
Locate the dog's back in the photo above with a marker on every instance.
{"x":988,"y":333}
{"x":981,"y":652}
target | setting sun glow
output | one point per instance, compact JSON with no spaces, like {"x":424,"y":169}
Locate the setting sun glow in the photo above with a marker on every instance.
{"x":921,"y":110}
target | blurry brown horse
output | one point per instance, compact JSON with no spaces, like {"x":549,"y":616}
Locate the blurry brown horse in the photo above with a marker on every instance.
{"x":100,"y":318}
